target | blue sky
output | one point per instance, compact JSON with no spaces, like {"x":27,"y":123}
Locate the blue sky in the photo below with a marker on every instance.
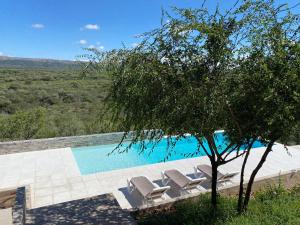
{"x":59,"y":29}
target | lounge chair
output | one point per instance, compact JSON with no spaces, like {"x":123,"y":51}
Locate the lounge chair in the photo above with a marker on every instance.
{"x":207,"y":171}
{"x":184,"y":182}
{"x":146,"y":188}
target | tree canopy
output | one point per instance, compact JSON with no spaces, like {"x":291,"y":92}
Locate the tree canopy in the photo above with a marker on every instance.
{"x":236,"y":70}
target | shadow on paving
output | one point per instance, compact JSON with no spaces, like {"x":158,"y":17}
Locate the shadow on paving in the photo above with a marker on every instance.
{"x":135,"y":199}
{"x":102,"y":209}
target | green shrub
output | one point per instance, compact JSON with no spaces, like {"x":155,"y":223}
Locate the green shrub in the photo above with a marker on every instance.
{"x":22,"y":125}
{"x":13,"y":87}
{"x":273,"y":206}
{"x":47,"y":100}
{"x":4,"y":104}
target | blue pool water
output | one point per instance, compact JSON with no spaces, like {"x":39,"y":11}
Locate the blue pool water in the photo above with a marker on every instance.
{"x":93,"y":159}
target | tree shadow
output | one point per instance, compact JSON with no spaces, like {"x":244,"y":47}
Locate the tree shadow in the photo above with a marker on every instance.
{"x":102,"y":209}
{"x":135,"y":199}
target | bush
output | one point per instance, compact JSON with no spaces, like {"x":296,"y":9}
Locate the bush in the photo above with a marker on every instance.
{"x":47,"y":100}
{"x":4,"y":104}
{"x":68,"y":124}
{"x":22,"y":125}
{"x":13,"y":87}
{"x":273,"y":206}
{"x":66,"y":97}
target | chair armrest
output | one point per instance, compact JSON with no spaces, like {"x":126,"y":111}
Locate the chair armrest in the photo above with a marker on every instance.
{"x":197,"y":180}
{"x":161,"y":189}
{"x":200,"y":179}
{"x":230,"y":175}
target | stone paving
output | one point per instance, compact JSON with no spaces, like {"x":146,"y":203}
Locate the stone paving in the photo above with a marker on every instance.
{"x":102,"y":209}
{"x":5,"y":216}
{"x":52,"y":176}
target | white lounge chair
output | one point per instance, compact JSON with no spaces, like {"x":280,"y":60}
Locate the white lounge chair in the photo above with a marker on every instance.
{"x":207,"y":171}
{"x":146,"y":188}
{"x":185,"y":183}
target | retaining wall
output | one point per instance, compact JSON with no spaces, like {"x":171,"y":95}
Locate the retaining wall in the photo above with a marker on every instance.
{"x":288,"y":180}
{"x":59,"y":142}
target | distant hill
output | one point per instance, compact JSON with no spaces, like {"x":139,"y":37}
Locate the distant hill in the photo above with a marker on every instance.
{"x":30,"y":63}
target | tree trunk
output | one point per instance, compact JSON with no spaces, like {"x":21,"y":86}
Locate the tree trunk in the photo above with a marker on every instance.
{"x":214,"y":185}
{"x":254,"y":172}
{"x":241,"y":190}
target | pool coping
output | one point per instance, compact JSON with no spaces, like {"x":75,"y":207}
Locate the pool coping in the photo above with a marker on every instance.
{"x":19,"y":146}
{"x":50,"y":185}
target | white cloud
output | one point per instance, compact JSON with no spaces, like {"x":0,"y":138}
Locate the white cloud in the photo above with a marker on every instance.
{"x":1,"y":53}
{"x":97,"y":47}
{"x":38,"y":26}
{"x":82,"y":42}
{"x":134,"y":45}
{"x":91,"y":27}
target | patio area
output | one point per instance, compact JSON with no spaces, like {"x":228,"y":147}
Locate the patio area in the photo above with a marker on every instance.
{"x":102,"y":209}
{"x":52,"y":176}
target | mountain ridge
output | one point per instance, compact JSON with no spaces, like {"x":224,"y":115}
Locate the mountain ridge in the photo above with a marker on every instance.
{"x":37,"y":63}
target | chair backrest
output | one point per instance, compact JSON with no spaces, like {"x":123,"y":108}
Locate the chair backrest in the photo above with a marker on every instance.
{"x":176,"y":176}
{"x":143,"y":185}
{"x":207,"y":170}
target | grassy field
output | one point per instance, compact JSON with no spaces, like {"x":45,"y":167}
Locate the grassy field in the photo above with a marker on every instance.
{"x":50,"y":103}
{"x":275,"y":206}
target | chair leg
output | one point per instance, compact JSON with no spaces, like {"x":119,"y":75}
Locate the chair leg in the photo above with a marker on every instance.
{"x":196,"y":174}
{"x":128,"y":186}
{"x":145,"y":202}
{"x":183,"y":191}
{"x":163,"y":179}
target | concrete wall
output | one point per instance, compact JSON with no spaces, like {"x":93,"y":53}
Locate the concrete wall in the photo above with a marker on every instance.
{"x":59,"y":142}
{"x":289,"y":179}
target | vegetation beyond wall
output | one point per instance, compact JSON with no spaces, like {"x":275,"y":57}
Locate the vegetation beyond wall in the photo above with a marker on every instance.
{"x":49,"y":103}
{"x":275,"y":205}
{"x":37,"y":103}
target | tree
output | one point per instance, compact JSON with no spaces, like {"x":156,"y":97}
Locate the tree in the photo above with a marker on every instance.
{"x":189,"y":77}
{"x":173,"y":83}
{"x":265,"y":98}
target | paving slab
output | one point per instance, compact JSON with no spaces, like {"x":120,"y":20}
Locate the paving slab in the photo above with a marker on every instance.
{"x":53,"y":176}
{"x":6,"y":216}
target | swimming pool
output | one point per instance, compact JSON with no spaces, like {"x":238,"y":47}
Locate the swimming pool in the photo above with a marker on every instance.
{"x":93,"y":159}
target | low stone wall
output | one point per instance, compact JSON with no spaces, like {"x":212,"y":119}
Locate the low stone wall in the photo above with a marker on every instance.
{"x":59,"y":142}
{"x":288,"y":179}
